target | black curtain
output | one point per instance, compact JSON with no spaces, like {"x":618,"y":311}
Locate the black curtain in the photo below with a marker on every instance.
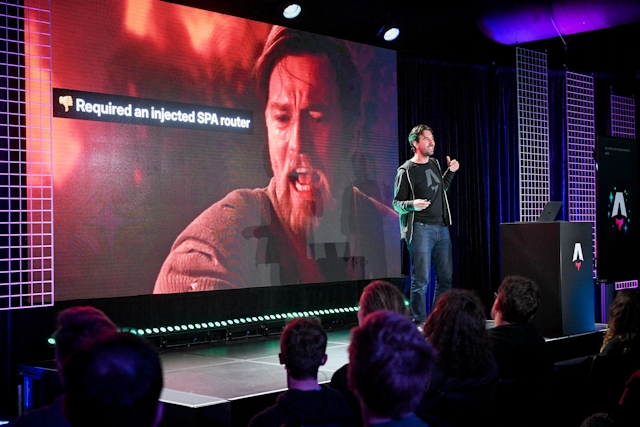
{"x":473,"y":112}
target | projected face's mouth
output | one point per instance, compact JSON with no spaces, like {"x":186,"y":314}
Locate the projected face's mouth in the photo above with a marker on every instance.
{"x":303,"y":178}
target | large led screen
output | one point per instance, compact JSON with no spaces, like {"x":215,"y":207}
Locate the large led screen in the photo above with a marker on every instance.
{"x":196,"y":151}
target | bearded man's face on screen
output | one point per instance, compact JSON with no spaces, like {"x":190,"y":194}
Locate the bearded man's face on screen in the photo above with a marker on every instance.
{"x":304,"y":129}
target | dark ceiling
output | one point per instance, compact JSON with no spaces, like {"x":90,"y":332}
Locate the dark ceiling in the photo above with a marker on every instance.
{"x":444,"y":30}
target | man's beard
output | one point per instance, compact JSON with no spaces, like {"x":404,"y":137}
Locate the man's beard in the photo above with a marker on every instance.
{"x":428,"y":152}
{"x":302,"y":211}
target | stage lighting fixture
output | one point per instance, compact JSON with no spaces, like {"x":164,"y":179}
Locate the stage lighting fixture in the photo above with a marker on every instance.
{"x":191,"y":333}
{"x":51,"y":341}
{"x":391,"y":34}
{"x":292,"y":11}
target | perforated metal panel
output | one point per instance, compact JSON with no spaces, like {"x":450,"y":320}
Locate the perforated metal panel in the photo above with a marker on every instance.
{"x":623,"y":125}
{"x":26,"y":187}
{"x":580,"y":149}
{"x":533,"y":132}
{"x":623,"y":117}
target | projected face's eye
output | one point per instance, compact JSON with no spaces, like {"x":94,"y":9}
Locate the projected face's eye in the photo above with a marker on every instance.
{"x":283,"y":118}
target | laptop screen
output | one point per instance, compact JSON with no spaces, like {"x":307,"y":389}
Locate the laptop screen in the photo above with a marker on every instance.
{"x":549,"y":212}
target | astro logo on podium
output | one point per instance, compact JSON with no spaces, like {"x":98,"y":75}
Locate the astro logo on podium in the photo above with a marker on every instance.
{"x":578,"y":258}
{"x":617,"y":210}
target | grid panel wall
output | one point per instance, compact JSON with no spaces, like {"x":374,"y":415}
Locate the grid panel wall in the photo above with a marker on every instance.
{"x":623,"y":125}
{"x":533,"y":132}
{"x":623,"y":117}
{"x":26,"y":185}
{"x":580,"y":145}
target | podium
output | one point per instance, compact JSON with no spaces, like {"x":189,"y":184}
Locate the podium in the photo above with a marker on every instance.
{"x":558,"y":256}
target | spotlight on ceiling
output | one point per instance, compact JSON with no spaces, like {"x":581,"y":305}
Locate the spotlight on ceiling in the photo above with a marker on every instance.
{"x":292,"y":11}
{"x":391,"y":34}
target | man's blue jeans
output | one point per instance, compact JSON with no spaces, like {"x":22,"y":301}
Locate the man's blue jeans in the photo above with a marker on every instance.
{"x":429,"y":243}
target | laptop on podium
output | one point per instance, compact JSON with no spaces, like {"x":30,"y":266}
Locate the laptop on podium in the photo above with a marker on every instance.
{"x":549,"y":212}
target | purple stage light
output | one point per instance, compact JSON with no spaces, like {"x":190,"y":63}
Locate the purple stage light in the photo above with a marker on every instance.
{"x":510,"y":24}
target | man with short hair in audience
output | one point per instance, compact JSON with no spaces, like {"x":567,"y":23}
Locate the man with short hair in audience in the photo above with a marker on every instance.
{"x":303,"y":344}
{"x":524,"y":361}
{"x":519,"y":349}
{"x":115,"y":381}
{"x":77,"y":327}
{"x":390,"y":364}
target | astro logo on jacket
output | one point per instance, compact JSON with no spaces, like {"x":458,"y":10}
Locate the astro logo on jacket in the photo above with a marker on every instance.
{"x":617,"y":210}
{"x":577,"y":256}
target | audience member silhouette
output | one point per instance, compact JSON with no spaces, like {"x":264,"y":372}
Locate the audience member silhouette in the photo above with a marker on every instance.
{"x":619,"y":355}
{"x":522,"y":355}
{"x":389,"y":364}
{"x":623,"y":326}
{"x":520,"y":351}
{"x":377,"y":295}
{"x":115,"y":381}
{"x":303,"y":344}
{"x":463,"y":384}
{"x":76,"y":328}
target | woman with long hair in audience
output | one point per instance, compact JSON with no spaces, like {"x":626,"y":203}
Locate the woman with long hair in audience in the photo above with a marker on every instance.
{"x":624,"y":323}
{"x":606,"y":379}
{"x":463,"y":384}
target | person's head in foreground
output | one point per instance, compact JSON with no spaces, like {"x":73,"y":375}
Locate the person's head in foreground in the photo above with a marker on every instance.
{"x":457,"y":330}
{"x":114,"y":382}
{"x":381,"y":295}
{"x":302,"y":350}
{"x":517,"y":300}
{"x":312,"y":91}
{"x":77,"y":327}
{"x":390,"y":364}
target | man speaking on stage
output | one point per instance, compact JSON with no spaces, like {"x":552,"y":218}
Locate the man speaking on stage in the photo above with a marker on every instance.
{"x":420,"y":197}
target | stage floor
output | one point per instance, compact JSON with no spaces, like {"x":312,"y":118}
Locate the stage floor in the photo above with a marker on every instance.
{"x":239,"y":369}
{"x":245,"y":368}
